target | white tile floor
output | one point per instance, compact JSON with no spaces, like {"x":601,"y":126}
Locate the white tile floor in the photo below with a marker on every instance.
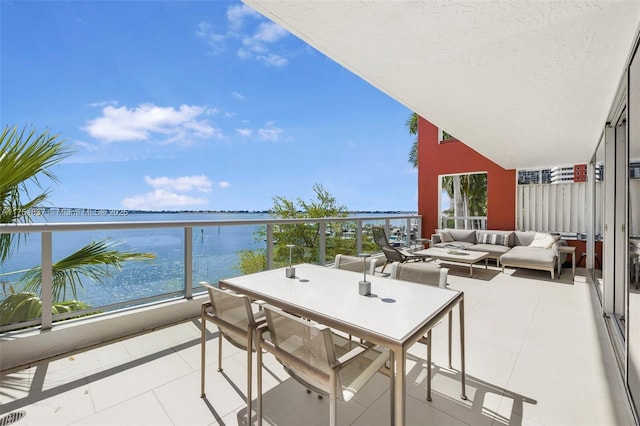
{"x":537,"y":354}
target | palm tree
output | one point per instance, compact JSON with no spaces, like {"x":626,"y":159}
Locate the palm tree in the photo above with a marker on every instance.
{"x":412,"y":125}
{"x":24,"y":159}
{"x":27,"y":157}
{"x":468,"y":193}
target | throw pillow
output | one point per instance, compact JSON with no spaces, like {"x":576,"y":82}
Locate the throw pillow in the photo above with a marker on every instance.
{"x":495,"y":239}
{"x":544,"y":240}
{"x":445,"y":236}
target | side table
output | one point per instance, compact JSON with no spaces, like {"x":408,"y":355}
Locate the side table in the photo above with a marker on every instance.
{"x":424,"y":241}
{"x":569,"y":250}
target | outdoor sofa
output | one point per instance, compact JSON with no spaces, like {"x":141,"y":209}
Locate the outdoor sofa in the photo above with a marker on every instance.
{"x":519,"y":249}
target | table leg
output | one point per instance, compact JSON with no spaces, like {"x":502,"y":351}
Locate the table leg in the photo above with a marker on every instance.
{"x":399,"y":385}
{"x":471,"y":270}
{"x":573,"y":263}
{"x":450,"y":335}
{"x":559,"y":267}
{"x":462,"y":360}
{"x":429,"y":365}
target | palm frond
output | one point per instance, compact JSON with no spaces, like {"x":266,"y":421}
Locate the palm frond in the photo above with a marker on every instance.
{"x":412,"y":123}
{"x":95,"y":261}
{"x":26,"y":306}
{"x":24,"y":157}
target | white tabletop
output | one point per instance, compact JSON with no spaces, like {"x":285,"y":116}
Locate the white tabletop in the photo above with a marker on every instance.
{"x":395,"y":310}
{"x":459,"y":254}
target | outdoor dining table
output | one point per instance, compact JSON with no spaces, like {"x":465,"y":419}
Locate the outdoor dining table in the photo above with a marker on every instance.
{"x":395,"y":315}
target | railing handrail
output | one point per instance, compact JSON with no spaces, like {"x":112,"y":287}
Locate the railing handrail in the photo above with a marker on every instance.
{"x":13,"y":228}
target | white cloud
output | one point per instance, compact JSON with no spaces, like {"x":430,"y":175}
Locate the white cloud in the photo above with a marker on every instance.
{"x":269,"y":32}
{"x":270,"y":132}
{"x":237,"y":14}
{"x":148,"y":121}
{"x":238,"y":96}
{"x":103,"y":103}
{"x":273,"y":60}
{"x":215,"y":40}
{"x":255,"y":42}
{"x":172,"y":193}
{"x":200,"y":183}
{"x":86,"y":145}
{"x":256,"y":45}
{"x":244,"y":132}
{"x":162,"y":199}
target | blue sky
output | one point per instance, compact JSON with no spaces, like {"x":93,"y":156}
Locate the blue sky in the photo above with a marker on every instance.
{"x":197,"y":105}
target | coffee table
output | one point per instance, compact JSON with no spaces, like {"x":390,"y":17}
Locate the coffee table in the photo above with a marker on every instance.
{"x":453,"y":255}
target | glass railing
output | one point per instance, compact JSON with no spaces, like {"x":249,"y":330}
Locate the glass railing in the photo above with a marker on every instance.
{"x":185,"y":253}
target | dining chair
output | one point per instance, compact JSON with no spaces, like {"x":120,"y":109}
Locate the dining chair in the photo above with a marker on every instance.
{"x":317,"y":358}
{"x":237,"y":322}
{"x":429,"y":274}
{"x":356,"y":264}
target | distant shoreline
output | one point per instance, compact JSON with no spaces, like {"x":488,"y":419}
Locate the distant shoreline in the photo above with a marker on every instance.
{"x":81,"y":211}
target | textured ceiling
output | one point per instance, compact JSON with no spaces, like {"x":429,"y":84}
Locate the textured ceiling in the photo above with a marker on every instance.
{"x":525,"y":83}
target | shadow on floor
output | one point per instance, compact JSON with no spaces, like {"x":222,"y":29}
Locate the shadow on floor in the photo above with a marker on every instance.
{"x":289,"y":404}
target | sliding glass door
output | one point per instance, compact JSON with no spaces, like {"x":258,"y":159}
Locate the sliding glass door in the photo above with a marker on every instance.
{"x":633,"y":232}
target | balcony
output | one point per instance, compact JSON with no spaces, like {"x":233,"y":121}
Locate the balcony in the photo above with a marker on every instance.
{"x":537,"y":353}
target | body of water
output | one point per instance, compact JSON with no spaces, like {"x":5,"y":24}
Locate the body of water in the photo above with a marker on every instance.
{"x":216,"y":253}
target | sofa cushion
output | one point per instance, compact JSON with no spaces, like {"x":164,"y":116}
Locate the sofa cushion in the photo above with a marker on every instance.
{"x":445,"y":236}
{"x":523,"y":238}
{"x":543,"y":240}
{"x":463,"y":245}
{"x":525,"y":255}
{"x":494,"y":250}
{"x":503,"y":238}
{"x":464,"y":235}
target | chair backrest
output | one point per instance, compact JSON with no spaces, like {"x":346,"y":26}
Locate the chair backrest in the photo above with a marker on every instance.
{"x":391,"y":253}
{"x":356,"y":264}
{"x":307,"y":350}
{"x":233,"y":313}
{"x":380,"y":237}
{"x":420,"y":272}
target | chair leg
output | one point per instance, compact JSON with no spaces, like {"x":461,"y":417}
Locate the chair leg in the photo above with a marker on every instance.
{"x":333,"y":415}
{"x":203,"y":343}
{"x":219,"y":351}
{"x":250,"y":335}
{"x":259,"y":373}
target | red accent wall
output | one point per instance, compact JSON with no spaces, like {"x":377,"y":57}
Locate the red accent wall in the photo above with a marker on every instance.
{"x":452,"y":157}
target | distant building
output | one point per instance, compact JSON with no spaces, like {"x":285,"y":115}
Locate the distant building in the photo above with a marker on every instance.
{"x":565,"y":174}
{"x":562,"y":174}
{"x":532,"y":177}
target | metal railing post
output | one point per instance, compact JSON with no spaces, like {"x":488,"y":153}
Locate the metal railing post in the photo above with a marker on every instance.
{"x":188,"y":262}
{"x":269,"y":245}
{"x":46,"y":287}
{"x":322,"y":252}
